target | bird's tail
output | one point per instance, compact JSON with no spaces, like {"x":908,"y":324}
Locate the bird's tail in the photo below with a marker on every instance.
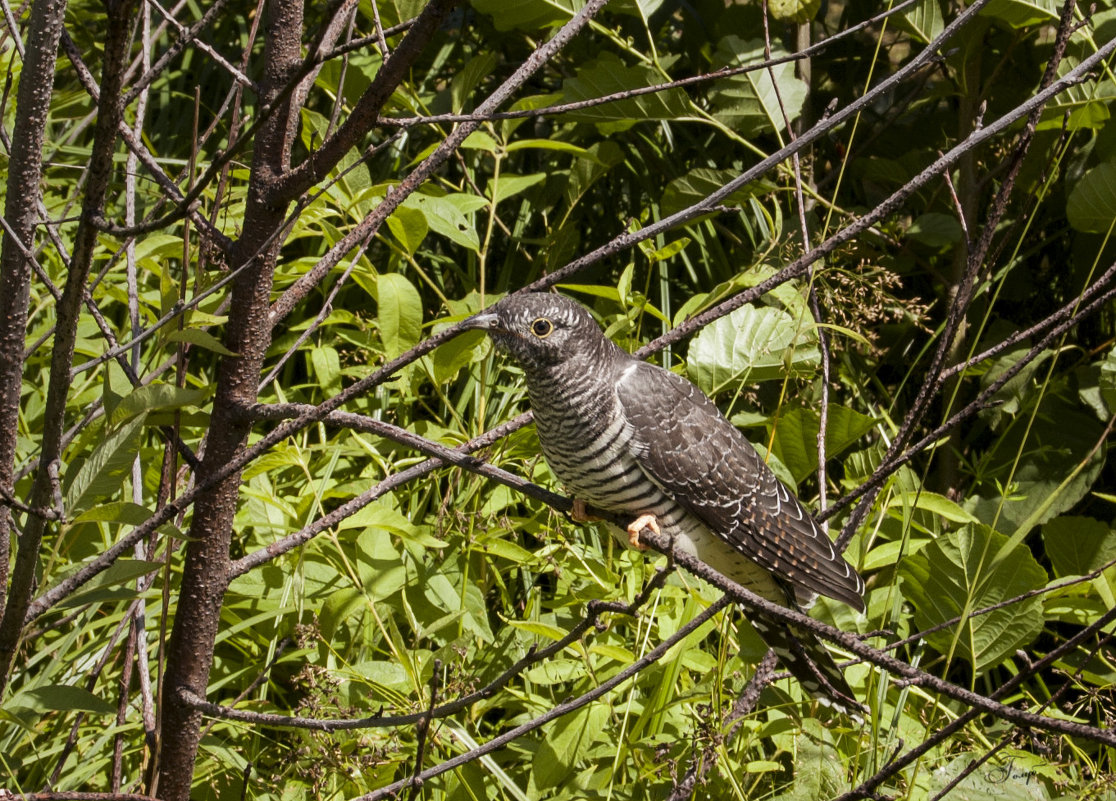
{"x":808,"y":660}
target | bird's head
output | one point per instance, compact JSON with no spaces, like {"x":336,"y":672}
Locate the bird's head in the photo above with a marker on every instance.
{"x":540,"y":329}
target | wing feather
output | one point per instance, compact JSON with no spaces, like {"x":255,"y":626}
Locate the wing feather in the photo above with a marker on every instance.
{"x":687,"y":447}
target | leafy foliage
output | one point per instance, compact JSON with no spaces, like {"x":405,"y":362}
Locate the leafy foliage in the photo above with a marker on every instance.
{"x":366,"y":581}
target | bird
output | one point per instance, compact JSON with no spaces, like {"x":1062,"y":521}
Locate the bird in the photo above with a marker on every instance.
{"x":636,"y":440}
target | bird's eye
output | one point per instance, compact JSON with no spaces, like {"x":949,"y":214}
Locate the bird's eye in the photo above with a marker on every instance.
{"x":542,"y":328}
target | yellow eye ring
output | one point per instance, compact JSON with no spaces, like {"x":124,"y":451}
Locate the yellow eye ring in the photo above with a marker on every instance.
{"x":542,"y":328}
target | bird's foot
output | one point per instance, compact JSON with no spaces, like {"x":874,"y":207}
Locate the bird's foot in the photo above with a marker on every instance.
{"x":580,"y":512}
{"x":637,"y":525}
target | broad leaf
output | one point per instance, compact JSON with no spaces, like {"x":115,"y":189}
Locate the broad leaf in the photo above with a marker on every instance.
{"x":527,"y":14}
{"x":1077,"y":546}
{"x":565,"y":743}
{"x":61,"y":698}
{"x":101,"y":475}
{"x":1091,"y":206}
{"x":399,"y":313}
{"x":951,"y":576}
{"x":607,"y":75}
{"x":751,"y":344}
{"x":796,"y":436}
{"x":749,"y":103}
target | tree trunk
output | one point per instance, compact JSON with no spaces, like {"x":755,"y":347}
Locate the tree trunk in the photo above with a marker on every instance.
{"x":25,"y":169}
{"x":247,"y":334}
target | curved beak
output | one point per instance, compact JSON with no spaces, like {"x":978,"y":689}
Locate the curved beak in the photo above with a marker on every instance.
{"x":485,"y":321}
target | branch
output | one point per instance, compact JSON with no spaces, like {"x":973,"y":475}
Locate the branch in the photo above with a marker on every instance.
{"x":852,"y":643}
{"x":367,"y":227}
{"x":558,"y":711}
{"x":595,"y":610}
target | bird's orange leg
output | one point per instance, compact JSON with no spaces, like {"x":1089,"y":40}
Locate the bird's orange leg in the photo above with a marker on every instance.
{"x":580,"y":513}
{"x":637,"y":525}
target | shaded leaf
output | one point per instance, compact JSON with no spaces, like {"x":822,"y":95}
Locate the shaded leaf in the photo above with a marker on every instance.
{"x":796,"y":437}
{"x":1091,"y":206}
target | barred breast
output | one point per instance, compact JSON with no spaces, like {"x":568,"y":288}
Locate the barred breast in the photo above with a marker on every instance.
{"x":587,"y":441}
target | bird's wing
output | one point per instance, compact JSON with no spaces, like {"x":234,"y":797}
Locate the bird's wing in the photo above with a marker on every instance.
{"x":686,"y":446}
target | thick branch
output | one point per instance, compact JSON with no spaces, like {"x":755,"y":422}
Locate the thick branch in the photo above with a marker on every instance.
{"x":121,"y":18}
{"x":21,"y":212}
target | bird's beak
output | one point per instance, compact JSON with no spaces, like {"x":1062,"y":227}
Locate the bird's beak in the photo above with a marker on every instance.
{"x":485,"y":321}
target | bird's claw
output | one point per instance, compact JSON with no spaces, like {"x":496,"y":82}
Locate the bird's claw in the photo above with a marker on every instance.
{"x":637,"y":525}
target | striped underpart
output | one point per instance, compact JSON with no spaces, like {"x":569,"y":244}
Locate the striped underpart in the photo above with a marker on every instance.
{"x":588,"y":444}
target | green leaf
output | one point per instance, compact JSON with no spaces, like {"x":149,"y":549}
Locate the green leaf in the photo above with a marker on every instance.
{"x":794,"y":11}
{"x":1107,"y":381}
{"x":931,"y":502}
{"x":994,"y":781}
{"x":509,"y":185}
{"x":748,"y":103}
{"x":698,"y":184}
{"x":796,"y":437}
{"x":449,"y":358}
{"x":381,"y":516}
{"x":115,"y":512}
{"x":1091,"y":206}
{"x":1077,"y":546}
{"x":557,"y":671}
{"x":1057,"y":465}
{"x":156,"y":396}
{"x":527,"y":14}
{"x":924,"y":20}
{"x":109,"y":585}
{"x":952,"y":576}
{"x":101,"y":475}
{"x":449,"y":216}
{"x":608,"y":75}
{"x":551,"y":144}
{"x":385,"y":674}
{"x":60,"y":698}
{"x":479,"y":140}
{"x":1022,"y":13}
{"x":201,"y":339}
{"x":669,"y":250}
{"x":565,"y":743}
{"x":338,"y":607}
{"x":327,"y":368}
{"x":936,"y":230}
{"x":409,"y":226}
{"x":399,"y":313}
{"x":751,"y":344}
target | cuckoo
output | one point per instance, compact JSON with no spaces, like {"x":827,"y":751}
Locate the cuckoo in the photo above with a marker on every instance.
{"x":633,"y":439}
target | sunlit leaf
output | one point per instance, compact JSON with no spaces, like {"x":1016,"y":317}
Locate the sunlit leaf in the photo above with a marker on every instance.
{"x":952,"y":576}
{"x":99,"y":476}
{"x":399,"y":313}
{"x":751,"y":344}
{"x":607,"y":75}
{"x":749,"y":103}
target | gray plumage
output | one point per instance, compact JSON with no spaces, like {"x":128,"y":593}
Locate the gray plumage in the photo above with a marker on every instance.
{"x":629,"y":437}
